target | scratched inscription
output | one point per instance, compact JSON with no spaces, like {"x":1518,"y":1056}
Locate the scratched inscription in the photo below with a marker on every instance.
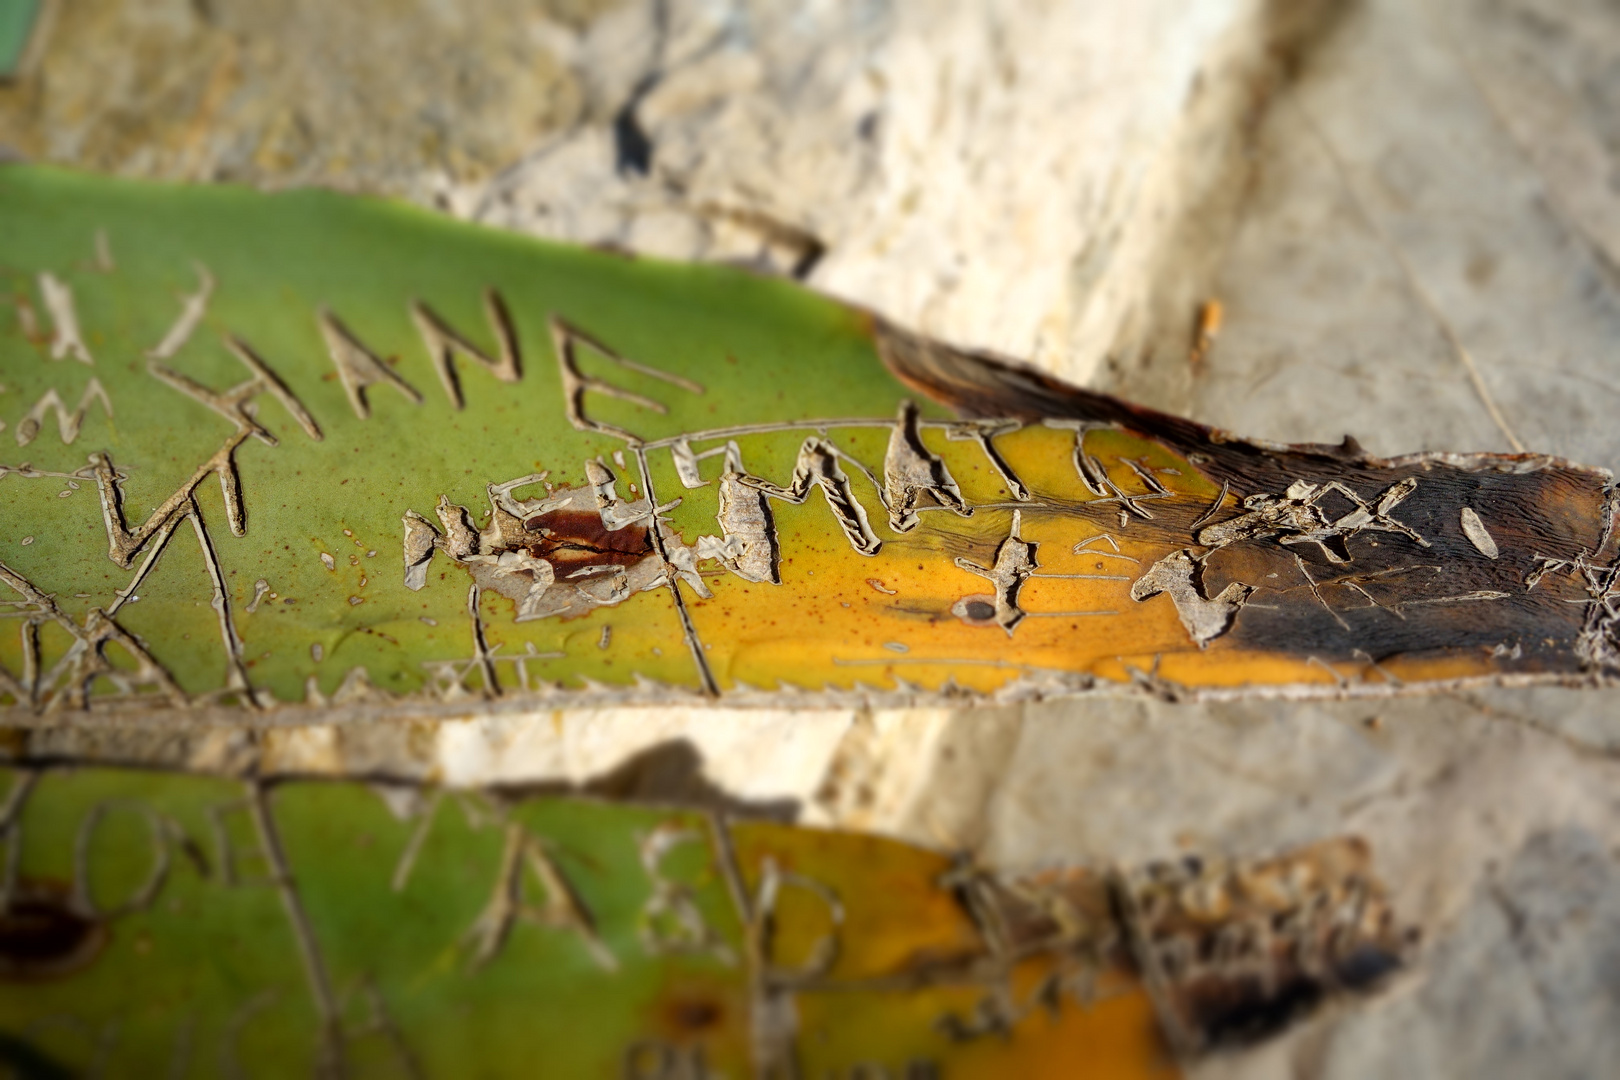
{"x":426,"y":468}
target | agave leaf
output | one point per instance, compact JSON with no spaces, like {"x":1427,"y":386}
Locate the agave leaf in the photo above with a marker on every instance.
{"x":157,"y":924}
{"x":18,"y":20}
{"x":313,"y":455}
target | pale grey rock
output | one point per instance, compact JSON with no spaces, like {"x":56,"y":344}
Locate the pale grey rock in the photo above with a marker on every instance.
{"x":1526,"y":984}
{"x":1405,"y":270}
{"x":406,"y":97}
{"x":764,"y":755}
{"x":1001,"y":175}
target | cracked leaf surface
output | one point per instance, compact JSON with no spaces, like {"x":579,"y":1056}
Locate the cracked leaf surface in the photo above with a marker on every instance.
{"x":575,"y":477}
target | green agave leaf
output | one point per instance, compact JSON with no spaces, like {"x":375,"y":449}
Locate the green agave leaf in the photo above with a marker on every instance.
{"x":184,"y":926}
{"x":18,"y":19}
{"x":312,"y":455}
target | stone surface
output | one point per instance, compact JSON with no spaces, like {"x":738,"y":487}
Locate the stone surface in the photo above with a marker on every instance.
{"x":998,"y":175}
{"x":403,"y":96}
{"x":1422,"y":261}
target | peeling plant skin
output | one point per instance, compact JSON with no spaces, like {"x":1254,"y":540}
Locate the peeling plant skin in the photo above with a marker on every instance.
{"x":599,"y":473}
{"x":420,"y":540}
{"x":1297,"y":518}
{"x":1232,"y":951}
{"x":569,"y":553}
{"x":1239,"y":950}
{"x":818,"y":467}
{"x":1205,"y":617}
{"x":748,"y":546}
{"x":1393,"y":570}
{"x":1015,"y":562}
{"x":1477,"y":533}
{"x":913,"y":476}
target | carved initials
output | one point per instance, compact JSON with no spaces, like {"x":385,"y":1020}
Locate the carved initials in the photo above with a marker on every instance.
{"x":565,"y":337}
{"x":123,"y":542}
{"x":232,"y":404}
{"x":67,"y":423}
{"x":443,"y":343}
{"x":358,"y":367}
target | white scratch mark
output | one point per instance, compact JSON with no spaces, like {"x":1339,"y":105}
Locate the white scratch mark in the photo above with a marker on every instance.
{"x":1482,"y":594}
{"x":67,"y":423}
{"x":358,"y":367}
{"x":58,"y":299}
{"x":192,"y":308}
{"x":26,"y":320}
{"x":1475,"y":530}
{"x":104,"y":255}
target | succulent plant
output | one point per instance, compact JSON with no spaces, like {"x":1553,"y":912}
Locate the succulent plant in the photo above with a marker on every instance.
{"x":320,"y":456}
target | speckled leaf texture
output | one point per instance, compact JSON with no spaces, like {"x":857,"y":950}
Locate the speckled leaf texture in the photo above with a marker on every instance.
{"x":320,"y":456}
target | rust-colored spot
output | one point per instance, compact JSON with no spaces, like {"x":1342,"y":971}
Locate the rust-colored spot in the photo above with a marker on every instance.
{"x":699,"y":1010}
{"x":694,"y":1015}
{"x":571,"y":539}
{"x":42,"y":937}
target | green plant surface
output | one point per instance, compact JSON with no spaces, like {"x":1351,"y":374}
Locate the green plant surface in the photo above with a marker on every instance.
{"x":184,"y":926}
{"x":284,"y":452}
{"x":17,"y":20}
